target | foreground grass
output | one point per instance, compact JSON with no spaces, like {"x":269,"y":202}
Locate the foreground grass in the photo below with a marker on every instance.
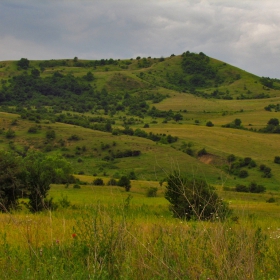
{"x":111,"y":234}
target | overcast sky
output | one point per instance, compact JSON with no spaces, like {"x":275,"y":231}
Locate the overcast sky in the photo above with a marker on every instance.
{"x":243,"y":33}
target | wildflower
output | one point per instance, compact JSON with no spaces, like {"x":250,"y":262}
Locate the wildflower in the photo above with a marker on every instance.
{"x":74,"y":235}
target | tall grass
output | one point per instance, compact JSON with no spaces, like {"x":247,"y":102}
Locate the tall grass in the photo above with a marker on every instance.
{"x":116,"y":242}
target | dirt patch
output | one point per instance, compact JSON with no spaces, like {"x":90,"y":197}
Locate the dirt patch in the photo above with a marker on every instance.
{"x":212,"y":159}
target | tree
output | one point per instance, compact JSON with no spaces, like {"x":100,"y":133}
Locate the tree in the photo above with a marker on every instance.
{"x":178,"y":117}
{"x":209,"y":123}
{"x":194,"y":199}
{"x":23,"y":63}
{"x":40,"y":171}
{"x":124,"y":182}
{"x":10,"y":183}
{"x":273,"y":121}
{"x":89,"y":77}
{"x":237,"y":122}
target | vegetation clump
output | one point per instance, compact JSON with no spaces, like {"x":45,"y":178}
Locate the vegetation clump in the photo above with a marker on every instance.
{"x":194,"y":199}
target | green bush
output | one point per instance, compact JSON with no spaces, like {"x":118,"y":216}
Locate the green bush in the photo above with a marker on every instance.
{"x":194,"y":199}
{"x":98,"y":182}
{"x":151,"y":192}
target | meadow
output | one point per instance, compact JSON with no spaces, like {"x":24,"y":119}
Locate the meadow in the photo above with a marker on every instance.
{"x":104,"y":232}
{"x":107,"y":233}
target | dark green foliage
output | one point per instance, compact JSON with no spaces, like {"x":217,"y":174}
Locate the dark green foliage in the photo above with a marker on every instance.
{"x":98,"y":182}
{"x":255,"y":188}
{"x":112,"y":182}
{"x":266,"y":81}
{"x":231,"y":158}
{"x":50,"y":134}
{"x":151,"y":192}
{"x":272,"y":126}
{"x":271,"y":200}
{"x":11,"y":188}
{"x":194,"y":199}
{"x":266,"y":171}
{"x":243,"y":173}
{"x":124,"y":182}
{"x":202,"y":152}
{"x":76,"y":186}
{"x":10,"y":134}
{"x":277,"y":159}
{"x":178,"y":117}
{"x":273,"y":121}
{"x":209,"y":123}
{"x":235,"y":124}
{"x":89,"y":77}
{"x":241,"y":188}
{"x":33,"y":129}
{"x":74,"y":137}
{"x":40,"y":171}
{"x":132,"y":175}
{"x":276,"y":107}
{"x":23,"y":63}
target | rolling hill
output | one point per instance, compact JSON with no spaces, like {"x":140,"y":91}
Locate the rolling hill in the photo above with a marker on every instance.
{"x":145,"y":115}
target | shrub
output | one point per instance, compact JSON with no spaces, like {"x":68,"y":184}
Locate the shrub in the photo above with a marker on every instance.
{"x":33,"y":129}
{"x":10,"y":134}
{"x":98,"y":182}
{"x":277,"y":159}
{"x":112,"y":182}
{"x":76,"y":186}
{"x":255,"y":188}
{"x":209,"y":123}
{"x":243,"y":173}
{"x":271,"y":200}
{"x":74,"y":137}
{"x":151,"y":192}
{"x":202,"y":152}
{"x":194,"y":199}
{"x":50,"y":134}
{"x":124,"y":182}
{"x":241,"y":188}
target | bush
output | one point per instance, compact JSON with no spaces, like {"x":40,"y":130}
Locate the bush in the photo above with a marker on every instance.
{"x":10,"y":134}
{"x":243,"y":173}
{"x":210,"y":124}
{"x":241,"y":188}
{"x":98,"y":182}
{"x":152,"y":192}
{"x":112,"y":182}
{"x":124,"y":182}
{"x":202,"y":152}
{"x":76,"y":186}
{"x":277,"y":159}
{"x":271,"y":200}
{"x":194,"y":199}
{"x":255,"y":188}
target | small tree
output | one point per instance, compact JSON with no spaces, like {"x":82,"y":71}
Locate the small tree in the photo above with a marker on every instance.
{"x":98,"y":182}
{"x":10,"y":184}
{"x":42,"y":170}
{"x":124,"y":182}
{"x":194,"y":199}
{"x":23,"y":63}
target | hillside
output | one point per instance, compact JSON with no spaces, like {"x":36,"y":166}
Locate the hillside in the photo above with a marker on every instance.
{"x":144,"y":115}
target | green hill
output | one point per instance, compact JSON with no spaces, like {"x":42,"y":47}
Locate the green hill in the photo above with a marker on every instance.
{"x":146,"y":115}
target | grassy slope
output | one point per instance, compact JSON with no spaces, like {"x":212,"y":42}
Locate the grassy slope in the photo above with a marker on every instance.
{"x":217,"y":140}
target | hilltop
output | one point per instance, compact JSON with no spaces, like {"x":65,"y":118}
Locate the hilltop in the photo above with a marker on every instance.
{"x":144,"y":115}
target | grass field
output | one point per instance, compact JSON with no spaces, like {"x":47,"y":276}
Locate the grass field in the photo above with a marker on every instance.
{"x":102,"y":232}
{"x":107,"y":233}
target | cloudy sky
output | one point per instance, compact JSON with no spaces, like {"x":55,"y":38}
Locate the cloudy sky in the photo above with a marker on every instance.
{"x":240,"y":32}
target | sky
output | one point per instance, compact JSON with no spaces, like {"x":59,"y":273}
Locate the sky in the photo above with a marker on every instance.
{"x":243,"y":33}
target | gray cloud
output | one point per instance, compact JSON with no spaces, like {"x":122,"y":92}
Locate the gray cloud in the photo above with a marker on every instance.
{"x":242,"y":33}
